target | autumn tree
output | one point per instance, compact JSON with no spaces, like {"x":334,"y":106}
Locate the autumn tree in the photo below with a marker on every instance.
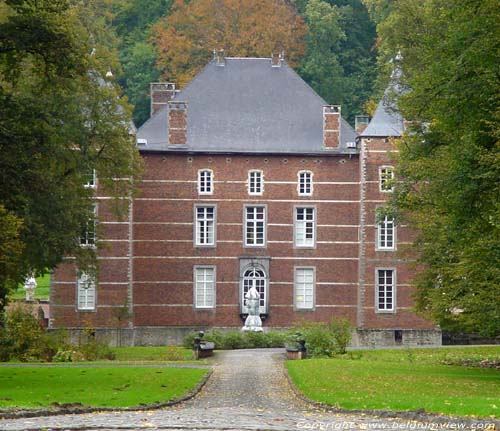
{"x":186,"y":38}
{"x":449,"y":162}
{"x":59,"y":120}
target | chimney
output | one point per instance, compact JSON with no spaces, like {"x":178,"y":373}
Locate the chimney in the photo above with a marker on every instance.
{"x":331,"y":126}
{"x":177,"y":123}
{"x":361,"y":122}
{"x":161,"y":93}
{"x":277,"y":59}
{"x":219,"y":57}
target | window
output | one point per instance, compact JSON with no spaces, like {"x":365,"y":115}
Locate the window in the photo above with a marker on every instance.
{"x":385,"y":289}
{"x":255,"y":277}
{"x":386,"y":176}
{"x":205,"y":182}
{"x":204,"y":287}
{"x":255,"y":226}
{"x":304,"y":227}
{"x":386,"y":234}
{"x":305,"y":186}
{"x":86,"y":291}
{"x":205,"y":225}
{"x":304,"y":288}
{"x":91,"y":180}
{"x":255,"y":183}
{"x":88,"y":236}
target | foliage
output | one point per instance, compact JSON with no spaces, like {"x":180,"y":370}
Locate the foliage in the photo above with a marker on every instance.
{"x":240,"y":339}
{"x":325,"y":339}
{"x":247,"y":29}
{"x":103,"y":386}
{"x":22,"y":337}
{"x":58,"y":120}
{"x":340,"y":63}
{"x":450,"y":159}
{"x":387,"y":380}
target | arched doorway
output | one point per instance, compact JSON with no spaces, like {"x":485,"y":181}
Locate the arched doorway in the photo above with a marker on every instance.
{"x":255,"y":277}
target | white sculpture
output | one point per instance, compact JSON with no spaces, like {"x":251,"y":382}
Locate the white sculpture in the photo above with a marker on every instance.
{"x":253,"y":321}
{"x":29,"y":287}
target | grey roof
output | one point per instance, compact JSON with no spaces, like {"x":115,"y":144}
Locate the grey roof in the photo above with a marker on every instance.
{"x":247,"y":106}
{"x":387,"y":121}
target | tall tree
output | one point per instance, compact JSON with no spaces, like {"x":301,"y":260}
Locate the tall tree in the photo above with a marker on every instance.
{"x":340,"y":63}
{"x":449,"y":161}
{"x":185,"y":38}
{"x":59,"y":120}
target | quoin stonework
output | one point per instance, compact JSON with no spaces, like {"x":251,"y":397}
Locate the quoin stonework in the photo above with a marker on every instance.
{"x":251,"y":180}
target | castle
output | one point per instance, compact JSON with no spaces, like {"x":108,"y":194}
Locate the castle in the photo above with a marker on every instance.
{"x":251,"y":180}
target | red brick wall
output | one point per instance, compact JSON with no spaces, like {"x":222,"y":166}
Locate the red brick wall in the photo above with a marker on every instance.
{"x":374,"y":154}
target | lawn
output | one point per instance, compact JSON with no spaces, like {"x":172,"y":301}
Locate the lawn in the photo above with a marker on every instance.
{"x":42,"y":290}
{"x":39,"y":386}
{"x":403,"y":380}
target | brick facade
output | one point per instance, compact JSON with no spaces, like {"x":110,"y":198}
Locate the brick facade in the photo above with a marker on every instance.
{"x":153,"y":287}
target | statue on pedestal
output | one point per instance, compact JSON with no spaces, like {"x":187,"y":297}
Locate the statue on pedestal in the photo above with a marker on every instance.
{"x":29,"y":287}
{"x":253,"y":321}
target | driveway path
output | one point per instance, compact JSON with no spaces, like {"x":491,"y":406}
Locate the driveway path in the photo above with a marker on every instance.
{"x":247,"y":391}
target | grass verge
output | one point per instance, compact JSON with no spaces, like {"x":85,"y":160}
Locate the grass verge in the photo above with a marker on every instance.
{"x":402,"y":380}
{"x":35,"y":387}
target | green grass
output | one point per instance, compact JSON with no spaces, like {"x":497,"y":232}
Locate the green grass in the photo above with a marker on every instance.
{"x":403,"y":380}
{"x":42,"y":290}
{"x":32,"y":387}
{"x":157,"y":354}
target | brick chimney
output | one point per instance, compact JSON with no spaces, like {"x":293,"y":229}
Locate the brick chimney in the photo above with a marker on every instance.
{"x":277,"y":59}
{"x":331,"y":126}
{"x":177,"y":123}
{"x":161,"y":93}
{"x":361,"y":122}
{"x":219,"y":57}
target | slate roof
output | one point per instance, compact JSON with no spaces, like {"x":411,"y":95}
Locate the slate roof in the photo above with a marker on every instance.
{"x":247,"y":106}
{"x":387,"y":121}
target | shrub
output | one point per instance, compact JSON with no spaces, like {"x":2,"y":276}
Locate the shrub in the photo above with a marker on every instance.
{"x":23,"y":338}
{"x":326,"y":340}
{"x":239,"y":340}
{"x":173,"y":353}
{"x":341,"y":330}
{"x":93,"y":349}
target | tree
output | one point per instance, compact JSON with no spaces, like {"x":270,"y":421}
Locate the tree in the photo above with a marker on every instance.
{"x":339,"y":62}
{"x":59,"y":120}
{"x":185,"y":38}
{"x":449,"y":161}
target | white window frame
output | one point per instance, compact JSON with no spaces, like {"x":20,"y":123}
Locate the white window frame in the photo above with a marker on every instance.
{"x":385,"y":174}
{"x":200,"y":281}
{"x":86,"y":240}
{"x":197,"y":225}
{"x":255,"y":222}
{"x":300,"y":286}
{"x":383,"y":229}
{"x":304,"y":225}
{"x":302,"y":183}
{"x":258,"y":277}
{"x":92,"y":183}
{"x":85,"y":296}
{"x":203,"y":189}
{"x":385,"y":289}
{"x":255,"y":182}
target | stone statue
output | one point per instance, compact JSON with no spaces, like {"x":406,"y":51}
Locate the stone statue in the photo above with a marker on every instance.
{"x":29,"y":287}
{"x":253,"y":321}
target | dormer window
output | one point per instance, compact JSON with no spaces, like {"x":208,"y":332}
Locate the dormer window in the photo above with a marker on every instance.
{"x":255,"y":183}
{"x":205,"y":182}
{"x":305,"y":185}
